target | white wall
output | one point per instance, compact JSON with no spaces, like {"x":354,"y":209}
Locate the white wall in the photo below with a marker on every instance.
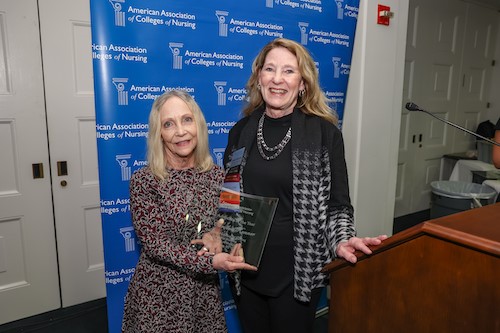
{"x":373,"y":114}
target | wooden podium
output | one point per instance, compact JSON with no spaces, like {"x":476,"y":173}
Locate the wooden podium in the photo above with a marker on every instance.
{"x":442,"y":275}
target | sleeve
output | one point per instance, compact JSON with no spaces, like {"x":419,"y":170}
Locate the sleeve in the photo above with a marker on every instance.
{"x":229,"y":148}
{"x":497,"y":126}
{"x":147,"y":217}
{"x":232,"y":142}
{"x":233,"y":138}
{"x":341,"y":213}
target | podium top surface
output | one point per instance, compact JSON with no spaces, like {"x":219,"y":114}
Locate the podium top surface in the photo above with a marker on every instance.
{"x":477,"y":228}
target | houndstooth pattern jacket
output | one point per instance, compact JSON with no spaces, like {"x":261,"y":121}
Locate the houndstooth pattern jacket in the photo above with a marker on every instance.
{"x":322,"y":212}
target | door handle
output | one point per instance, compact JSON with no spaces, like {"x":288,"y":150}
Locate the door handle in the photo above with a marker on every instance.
{"x":37,"y":169}
{"x":62,"y":168}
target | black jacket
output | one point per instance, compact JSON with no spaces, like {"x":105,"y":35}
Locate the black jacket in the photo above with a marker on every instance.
{"x":322,"y":212}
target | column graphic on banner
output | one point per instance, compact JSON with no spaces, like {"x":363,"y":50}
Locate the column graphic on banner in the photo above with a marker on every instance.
{"x":223,"y":26}
{"x":340,"y":9}
{"x":126,"y":171}
{"x":119,"y":15}
{"x":120,"y":87}
{"x":176,"y":54}
{"x":336,"y":67}
{"x":269,"y":3}
{"x":303,"y":32}
{"x":221,"y":95}
{"x":219,"y":156}
{"x":128,"y":236}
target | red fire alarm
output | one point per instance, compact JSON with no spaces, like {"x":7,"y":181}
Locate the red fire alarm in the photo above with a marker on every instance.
{"x":384,"y":14}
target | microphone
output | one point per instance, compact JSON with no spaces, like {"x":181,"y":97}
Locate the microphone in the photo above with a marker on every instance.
{"x":414,"y":107}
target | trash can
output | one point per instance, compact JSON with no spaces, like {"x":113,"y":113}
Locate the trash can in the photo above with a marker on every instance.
{"x":449,"y":197}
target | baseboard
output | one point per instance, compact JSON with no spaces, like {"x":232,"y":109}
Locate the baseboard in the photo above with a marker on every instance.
{"x":407,"y":221}
{"x":53,"y":317}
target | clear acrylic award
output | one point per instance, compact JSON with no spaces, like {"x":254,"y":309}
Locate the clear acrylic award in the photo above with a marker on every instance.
{"x":247,"y":220}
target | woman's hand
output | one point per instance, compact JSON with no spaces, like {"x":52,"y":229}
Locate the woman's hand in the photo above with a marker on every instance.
{"x":211,"y":240}
{"x":230,"y":262}
{"x":346,"y":249}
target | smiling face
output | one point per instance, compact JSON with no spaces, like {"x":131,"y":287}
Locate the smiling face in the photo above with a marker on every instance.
{"x":280,"y":82}
{"x":179,"y":133}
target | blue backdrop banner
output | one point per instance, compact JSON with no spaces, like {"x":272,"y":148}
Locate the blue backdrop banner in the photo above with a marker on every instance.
{"x":142,"y":48}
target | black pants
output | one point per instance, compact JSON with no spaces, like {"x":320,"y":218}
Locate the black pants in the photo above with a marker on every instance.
{"x":263,"y":314}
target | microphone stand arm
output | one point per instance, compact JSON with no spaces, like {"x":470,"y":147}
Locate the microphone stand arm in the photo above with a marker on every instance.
{"x":462,"y":128}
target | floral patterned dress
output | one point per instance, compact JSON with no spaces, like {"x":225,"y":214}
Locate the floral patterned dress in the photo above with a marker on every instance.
{"x":173,"y":290}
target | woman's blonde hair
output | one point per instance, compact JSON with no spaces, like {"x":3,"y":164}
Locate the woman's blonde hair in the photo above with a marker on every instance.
{"x":157,"y":159}
{"x":312,"y":101}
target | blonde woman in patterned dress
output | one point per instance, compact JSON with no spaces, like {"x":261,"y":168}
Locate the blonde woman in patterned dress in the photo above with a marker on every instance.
{"x":173,"y":200}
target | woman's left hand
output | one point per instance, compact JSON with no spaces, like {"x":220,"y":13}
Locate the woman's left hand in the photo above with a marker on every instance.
{"x":346,"y":249}
{"x":233,"y":261}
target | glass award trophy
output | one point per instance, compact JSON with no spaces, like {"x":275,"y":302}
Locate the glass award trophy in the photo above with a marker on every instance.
{"x":247,"y":220}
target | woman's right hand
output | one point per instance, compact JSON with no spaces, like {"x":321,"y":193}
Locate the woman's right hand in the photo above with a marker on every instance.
{"x":211,"y":241}
{"x":231,"y":262}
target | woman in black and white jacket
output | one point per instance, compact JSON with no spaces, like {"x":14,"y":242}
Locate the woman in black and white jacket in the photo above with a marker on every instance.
{"x":293,"y":151}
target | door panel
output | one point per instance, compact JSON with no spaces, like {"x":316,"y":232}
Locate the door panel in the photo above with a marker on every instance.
{"x":28,"y":259}
{"x":479,"y":48}
{"x":67,"y":60}
{"x":433,"y":58}
{"x":450,"y":46}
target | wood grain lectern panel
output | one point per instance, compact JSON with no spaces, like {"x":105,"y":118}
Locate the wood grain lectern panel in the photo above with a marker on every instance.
{"x":442,"y":275}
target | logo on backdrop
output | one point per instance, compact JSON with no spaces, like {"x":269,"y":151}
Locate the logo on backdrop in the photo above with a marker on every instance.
{"x":336,"y":67}
{"x":176,"y":54}
{"x":221,"y":17}
{"x":119,"y":53}
{"x":221,"y":95}
{"x":314,"y":5}
{"x":246,"y":27}
{"x":219,"y":127}
{"x":340,"y":9}
{"x":119,"y":83}
{"x":128,"y":236}
{"x":126,"y":171}
{"x":328,"y":37}
{"x":153,"y":17}
{"x":204,"y":58}
{"x":119,"y":15}
{"x":340,"y":68}
{"x":228,"y":94}
{"x":317,"y":66}
{"x":219,"y":156}
{"x":335,"y":98}
{"x":303,"y":32}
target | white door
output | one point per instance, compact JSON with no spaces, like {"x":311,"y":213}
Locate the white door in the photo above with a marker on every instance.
{"x":479,"y":49}
{"x":433,"y":58}
{"x":28,"y":262}
{"x":433,"y":79}
{"x":67,"y":63}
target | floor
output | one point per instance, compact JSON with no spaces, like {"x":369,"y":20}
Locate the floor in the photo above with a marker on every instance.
{"x":85,"y":318}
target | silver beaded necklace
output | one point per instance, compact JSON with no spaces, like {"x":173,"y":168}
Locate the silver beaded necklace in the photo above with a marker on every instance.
{"x":261,"y":144}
